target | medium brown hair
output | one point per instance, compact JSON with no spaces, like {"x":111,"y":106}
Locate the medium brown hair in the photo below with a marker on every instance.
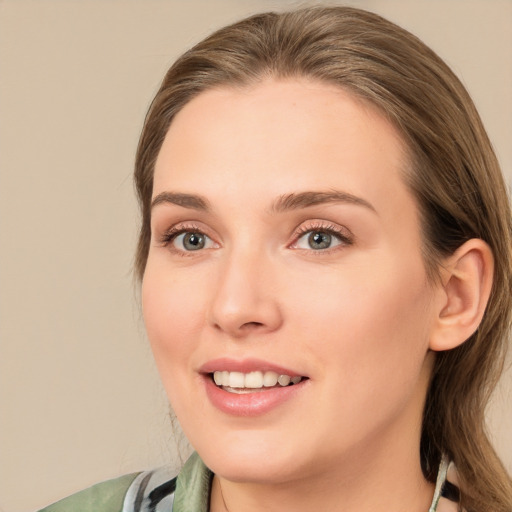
{"x":453,"y":174}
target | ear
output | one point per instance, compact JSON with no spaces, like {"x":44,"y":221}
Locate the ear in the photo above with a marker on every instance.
{"x":462,"y":296}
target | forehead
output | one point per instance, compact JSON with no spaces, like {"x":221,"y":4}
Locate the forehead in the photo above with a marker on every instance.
{"x":278,"y":135}
{"x":285,"y":112}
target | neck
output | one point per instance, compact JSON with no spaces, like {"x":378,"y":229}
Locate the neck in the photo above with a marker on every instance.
{"x":368,"y":484}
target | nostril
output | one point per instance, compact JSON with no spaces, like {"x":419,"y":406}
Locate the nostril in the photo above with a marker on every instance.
{"x":251,"y":325}
{"x":247,"y":326}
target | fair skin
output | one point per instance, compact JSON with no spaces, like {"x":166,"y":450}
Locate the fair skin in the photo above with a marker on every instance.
{"x":248,"y":271}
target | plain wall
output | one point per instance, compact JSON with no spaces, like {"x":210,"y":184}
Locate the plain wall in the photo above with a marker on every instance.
{"x":80,"y":400}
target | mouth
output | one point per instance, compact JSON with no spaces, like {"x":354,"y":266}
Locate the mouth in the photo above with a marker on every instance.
{"x":250,"y":387}
{"x":252,"y":382}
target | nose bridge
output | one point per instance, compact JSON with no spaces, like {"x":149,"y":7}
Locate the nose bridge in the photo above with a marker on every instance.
{"x":245,"y":299}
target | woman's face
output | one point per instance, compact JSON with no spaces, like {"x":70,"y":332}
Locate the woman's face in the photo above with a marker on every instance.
{"x":284,"y":242}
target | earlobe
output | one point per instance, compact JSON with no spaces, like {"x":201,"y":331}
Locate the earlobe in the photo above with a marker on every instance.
{"x":467,"y":277}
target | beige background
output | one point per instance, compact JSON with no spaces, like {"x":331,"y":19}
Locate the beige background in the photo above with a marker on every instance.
{"x":80,"y":398}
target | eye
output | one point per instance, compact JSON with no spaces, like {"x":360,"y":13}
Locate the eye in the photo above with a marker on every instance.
{"x":318,"y":237}
{"x":320,"y":240}
{"x":191,"y":241}
{"x":317,"y":240}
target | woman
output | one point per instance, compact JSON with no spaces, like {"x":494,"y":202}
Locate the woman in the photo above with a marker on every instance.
{"x":325,"y":267}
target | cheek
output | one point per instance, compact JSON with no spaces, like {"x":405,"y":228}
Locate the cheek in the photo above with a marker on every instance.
{"x":372,"y":341}
{"x":372,"y":326}
{"x":173,"y":315}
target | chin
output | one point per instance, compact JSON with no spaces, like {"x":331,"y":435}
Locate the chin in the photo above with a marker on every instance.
{"x":253,"y":470}
{"x":251,"y":458}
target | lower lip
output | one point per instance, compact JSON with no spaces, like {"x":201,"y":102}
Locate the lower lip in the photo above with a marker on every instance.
{"x":250,"y":404}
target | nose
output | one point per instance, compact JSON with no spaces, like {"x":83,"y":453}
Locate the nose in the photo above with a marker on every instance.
{"x":246,"y":300}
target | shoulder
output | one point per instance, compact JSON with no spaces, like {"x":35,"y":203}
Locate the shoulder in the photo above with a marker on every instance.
{"x":160,"y":491}
{"x":151,"y":491}
{"x":157,"y":490}
{"x":106,"y":496}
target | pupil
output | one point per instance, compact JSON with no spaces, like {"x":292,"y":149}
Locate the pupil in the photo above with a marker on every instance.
{"x":193,"y":241}
{"x":319,"y":240}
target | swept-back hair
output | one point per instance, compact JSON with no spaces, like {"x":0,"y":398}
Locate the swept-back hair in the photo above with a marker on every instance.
{"x":453,"y":174}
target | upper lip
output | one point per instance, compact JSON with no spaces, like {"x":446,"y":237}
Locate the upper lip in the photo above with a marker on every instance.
{"x":246,"y":366}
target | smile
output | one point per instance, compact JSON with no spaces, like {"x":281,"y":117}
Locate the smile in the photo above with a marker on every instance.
{"x":251,"y":387}
{"x":238,"y":382}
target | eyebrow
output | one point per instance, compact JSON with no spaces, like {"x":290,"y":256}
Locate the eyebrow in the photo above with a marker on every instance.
{"x":295,"y":201}
{"x":286,"y":202}
{"x":191,"y":201}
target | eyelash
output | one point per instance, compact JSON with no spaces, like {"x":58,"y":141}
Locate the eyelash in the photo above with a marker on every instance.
{"x":345,"y":238}
{"x":174,"y":232}
{"x":343,"y":235}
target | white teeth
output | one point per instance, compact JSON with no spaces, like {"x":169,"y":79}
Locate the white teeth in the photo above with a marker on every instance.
{"x":236,"y":380}
{"x":284,"y":380}
{"x":270,"y":379}
{"x":253,"y":380}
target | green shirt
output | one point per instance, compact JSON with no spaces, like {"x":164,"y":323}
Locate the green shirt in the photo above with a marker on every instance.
{"x":157,"y":491}
{"x":103,"y":497}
